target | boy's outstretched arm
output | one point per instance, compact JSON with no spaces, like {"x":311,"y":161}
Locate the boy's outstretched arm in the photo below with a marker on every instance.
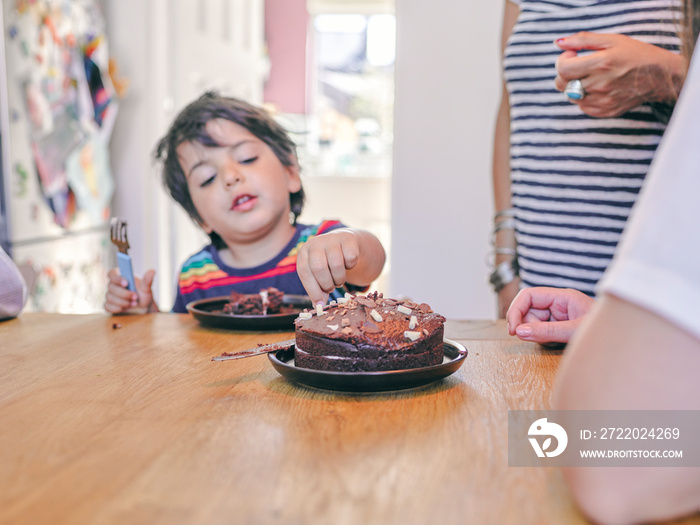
{"x":338,"y":257}
{"x":121,"y":300}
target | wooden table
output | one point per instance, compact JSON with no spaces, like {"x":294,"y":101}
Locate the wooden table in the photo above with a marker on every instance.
{"x":136,"y":425}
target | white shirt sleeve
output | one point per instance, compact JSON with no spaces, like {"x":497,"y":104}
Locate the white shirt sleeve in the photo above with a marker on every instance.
{"x":657,"y":265}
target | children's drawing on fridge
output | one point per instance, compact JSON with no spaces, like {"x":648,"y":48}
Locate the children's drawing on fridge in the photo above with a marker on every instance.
{"x":58,"y":111}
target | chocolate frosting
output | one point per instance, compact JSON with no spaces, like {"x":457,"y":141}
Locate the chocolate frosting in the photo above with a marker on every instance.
{"x":353,"y":322}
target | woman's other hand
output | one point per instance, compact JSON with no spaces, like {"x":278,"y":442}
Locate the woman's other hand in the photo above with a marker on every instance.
{"x":547,"y":315}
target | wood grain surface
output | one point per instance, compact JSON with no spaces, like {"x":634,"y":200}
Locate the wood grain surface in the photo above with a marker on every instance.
{"x":136,"y":425}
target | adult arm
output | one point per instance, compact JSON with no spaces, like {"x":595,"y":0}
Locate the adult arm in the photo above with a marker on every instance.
{"x":621,"y":72}
{"x":625,"y":357}
{"x":501,"y":166}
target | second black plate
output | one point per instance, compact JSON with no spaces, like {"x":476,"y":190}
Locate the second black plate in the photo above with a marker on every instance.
{"x":210,"y":313}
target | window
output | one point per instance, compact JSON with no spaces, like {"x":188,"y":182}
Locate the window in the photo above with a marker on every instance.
{"x":351,"y":95}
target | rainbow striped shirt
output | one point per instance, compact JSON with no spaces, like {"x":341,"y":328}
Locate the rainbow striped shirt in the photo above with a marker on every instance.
{"x":205,"y":275}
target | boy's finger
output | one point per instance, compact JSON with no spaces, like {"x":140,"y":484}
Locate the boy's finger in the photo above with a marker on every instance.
{"x":314,"y":292}
{"x":113,"y":308}
{"x":318,"y":269}
{"x":118,"y":290}
{"x":308,"y":280}
{"x":323,"y":300}
{"x":351,"y":254}
{"x":114,"y":277}
{"x":147,"y":280}
{"x":336,"y":265}
{"x":117,"y":302}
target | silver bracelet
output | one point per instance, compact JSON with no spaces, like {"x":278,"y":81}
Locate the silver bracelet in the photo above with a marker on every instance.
{"x":504,"y":274}
{"x":503,"y":220}
{"x":504,"y":224}
{"x":504,"y":214}
{"x":498,"y":250}
{"x":491,"y":255}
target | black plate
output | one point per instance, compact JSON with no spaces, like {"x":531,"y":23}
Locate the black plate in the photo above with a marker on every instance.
{"x":209,"y":312}
{"x":283,"y":361}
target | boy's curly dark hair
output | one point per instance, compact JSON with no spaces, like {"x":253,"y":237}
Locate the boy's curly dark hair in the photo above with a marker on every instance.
{"x":190,"y":124}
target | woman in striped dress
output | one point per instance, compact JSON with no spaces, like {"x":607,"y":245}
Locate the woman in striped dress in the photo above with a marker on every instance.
{"x":567,"y":174}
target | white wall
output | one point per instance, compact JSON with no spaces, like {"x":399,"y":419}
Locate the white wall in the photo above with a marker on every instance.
{"x":136,"y":34}
{"x":447,"y":91}
{"x":171,"y":51}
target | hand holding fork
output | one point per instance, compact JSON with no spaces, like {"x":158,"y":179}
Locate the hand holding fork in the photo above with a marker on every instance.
{"x":126,"y":294}
{"x":121,"y":241}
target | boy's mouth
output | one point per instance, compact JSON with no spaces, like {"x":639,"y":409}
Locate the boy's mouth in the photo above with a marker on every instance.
{"x":243,"y":202}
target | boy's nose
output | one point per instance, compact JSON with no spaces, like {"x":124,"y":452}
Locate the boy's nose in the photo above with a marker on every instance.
{"x":232,"y":176}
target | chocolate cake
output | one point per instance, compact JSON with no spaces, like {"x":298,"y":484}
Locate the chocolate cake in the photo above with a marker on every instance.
{"x":267,"y":301}
{"x":369,"y":333}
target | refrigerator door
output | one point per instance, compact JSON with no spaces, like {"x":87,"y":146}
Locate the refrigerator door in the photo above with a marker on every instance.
{"x":57,"y":110}
{"x":66,"y":274}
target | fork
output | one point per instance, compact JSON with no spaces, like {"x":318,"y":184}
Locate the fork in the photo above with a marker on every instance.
{"x":121,"y":241}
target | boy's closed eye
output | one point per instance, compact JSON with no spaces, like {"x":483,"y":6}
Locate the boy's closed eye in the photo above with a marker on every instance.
{"x":202,"y":175}
{"x":208,"y":181}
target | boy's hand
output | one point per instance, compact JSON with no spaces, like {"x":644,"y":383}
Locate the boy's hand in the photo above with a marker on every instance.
{"x":323,"y":261}
{"x":120,"y":300}
{"x":547,"y":315}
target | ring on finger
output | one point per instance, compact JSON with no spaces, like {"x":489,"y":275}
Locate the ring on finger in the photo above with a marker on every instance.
{"x":574,"y":90}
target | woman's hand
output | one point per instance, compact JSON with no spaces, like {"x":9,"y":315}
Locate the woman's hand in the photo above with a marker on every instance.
{"x":547,"y":315}
{"x":620,"y":74}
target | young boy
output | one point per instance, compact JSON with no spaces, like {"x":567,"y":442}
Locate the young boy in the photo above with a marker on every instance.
{"x":235,"y":171}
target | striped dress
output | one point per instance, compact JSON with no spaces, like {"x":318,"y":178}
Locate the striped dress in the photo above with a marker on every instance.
{"x":574,"y":178}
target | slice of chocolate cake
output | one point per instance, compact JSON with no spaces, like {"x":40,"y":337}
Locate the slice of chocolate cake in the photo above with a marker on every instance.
{"x":369,"y":333}
{"x":267,"y":301}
